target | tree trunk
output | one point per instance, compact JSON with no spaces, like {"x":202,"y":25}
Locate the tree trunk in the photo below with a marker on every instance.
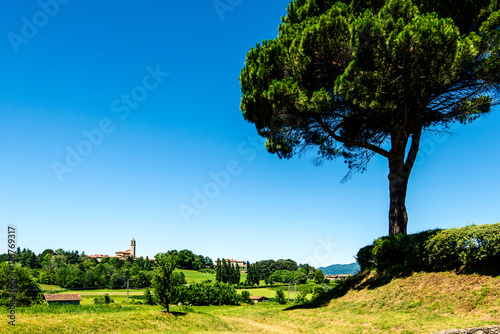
{"x":398,"y":183}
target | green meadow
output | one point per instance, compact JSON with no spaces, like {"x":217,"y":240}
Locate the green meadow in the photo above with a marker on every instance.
{"x":193,"y":276}
{"x":418,"y":303}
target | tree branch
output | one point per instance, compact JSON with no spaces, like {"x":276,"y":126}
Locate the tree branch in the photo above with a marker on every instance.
{"x":350,"y":142}
{"x":412,"y":154}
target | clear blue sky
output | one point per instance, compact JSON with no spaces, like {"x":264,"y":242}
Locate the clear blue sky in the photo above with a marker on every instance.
{"x":155,"y":87}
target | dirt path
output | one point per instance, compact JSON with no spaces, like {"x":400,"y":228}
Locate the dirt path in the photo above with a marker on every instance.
{"x":251,"y":326}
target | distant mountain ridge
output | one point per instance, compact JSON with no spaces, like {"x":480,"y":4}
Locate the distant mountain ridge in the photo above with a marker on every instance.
{"x":337,"y":269}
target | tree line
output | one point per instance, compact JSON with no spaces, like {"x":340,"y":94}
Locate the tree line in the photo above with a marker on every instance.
{"x":168,"y":287}
{"x":283,"y":271}
{"x":269,"y":271}
{"x":225,"y":272}
{"x":75,"y":270}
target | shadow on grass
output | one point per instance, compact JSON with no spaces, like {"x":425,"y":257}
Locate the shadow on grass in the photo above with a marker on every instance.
{"x":174,"y":313}
{"x":178,"y":314}
{"x":485,"y":268}
{"x":364,"y":280}
{"x":374,"y":279}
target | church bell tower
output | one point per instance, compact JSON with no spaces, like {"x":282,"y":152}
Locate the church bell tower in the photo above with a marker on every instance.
{"x":132,"y":248}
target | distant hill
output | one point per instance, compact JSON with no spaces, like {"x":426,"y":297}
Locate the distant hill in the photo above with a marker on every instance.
{"x":336,"y":269}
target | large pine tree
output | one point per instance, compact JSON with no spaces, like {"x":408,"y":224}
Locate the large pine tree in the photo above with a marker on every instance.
{"x":355,"y":79}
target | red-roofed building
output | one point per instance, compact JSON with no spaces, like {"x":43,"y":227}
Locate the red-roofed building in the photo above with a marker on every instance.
{"x":62,"y":299}
{"x":120,"y":255}
{"x":241,"y":264}
{"x":128,"y":253}
{"x":98,"y":257}
{"x":259,"y":299}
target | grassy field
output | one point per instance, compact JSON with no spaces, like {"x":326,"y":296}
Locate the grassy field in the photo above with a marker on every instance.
{"x":47,"y":288}
{"x":261,"y":292}
{"x":193,"y":276}
{"x":120,"y":296}
{"x":270,"y":292}
{"x":419,"y":303}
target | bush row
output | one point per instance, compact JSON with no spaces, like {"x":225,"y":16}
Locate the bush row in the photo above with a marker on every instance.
{"x":471,"y":248}
{"x":200,"y":294}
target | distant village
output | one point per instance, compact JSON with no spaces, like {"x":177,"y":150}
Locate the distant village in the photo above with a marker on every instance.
{"x":120,"y":255}
{"x":123,"y":255}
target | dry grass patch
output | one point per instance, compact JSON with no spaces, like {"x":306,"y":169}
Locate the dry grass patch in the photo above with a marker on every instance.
{"x":145,"y":320}
{"x":431,"y":291}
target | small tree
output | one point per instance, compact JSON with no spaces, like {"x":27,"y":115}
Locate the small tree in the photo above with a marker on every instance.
{"x":301,"y":297}
{"x":147,"y":264}
{"x":300,"y":276}
{"x":280,"y":297}
{"x":317,"y":292}
{"x":181,"y":278}
{"x":18,"y":279}
{"x":245,"y":297}
{"x":148,"y":297}
{"x":164,"y":281}
{"x":104,"y":299}
{"x":318,"y":276}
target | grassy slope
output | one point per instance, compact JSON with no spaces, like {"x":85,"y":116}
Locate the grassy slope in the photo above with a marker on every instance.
{"x":197,"y":277}
{"x":420,"y":303}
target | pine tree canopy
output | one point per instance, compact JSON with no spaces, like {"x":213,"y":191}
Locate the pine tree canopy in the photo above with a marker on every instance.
{"x":354,"y":79}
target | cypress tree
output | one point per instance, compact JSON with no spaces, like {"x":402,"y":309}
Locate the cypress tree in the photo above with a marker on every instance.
{"x":226,"y":277}
{"x":237,"y":274}
{"x":218,"y":271}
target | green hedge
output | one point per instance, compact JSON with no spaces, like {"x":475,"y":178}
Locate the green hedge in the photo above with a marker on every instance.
{"x":200,"y":294}
{"x":471,"y":248}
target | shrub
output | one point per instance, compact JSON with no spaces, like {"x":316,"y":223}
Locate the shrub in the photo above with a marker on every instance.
{"x":390,"y":251}
{"x":471,"y":248}
{"x":104,"y":299}
{"x":245,"y":297}
{"x":365,"y":258}
{"x":181,"y":278}
{"x":318,"y":276}
{"x":317,"y":292}
{"x":280,"y":296}
{"x":283,"y":276}
{"x":148,"y":297}
{"x":207,"y":271}
{"x":18,"y":278}
{"x":200,"y":294}
{"x":301,"y":297}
